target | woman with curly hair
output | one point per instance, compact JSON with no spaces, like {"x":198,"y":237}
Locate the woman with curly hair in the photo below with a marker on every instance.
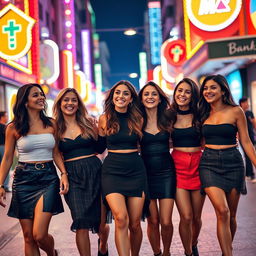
{"x":78,"y":141}
{"x":155,"y":151}
{"x":186,"y":154}
{"x":124,"y":180}
{"x":221,"y":167}
{"x":35,"y":189}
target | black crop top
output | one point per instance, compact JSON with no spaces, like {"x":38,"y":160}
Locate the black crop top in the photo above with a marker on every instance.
{"x":155,"y":144}
{"x":186,"y":137}
{"x":219,"y":134}
{"x":122,"y":139}
{"x":81,"y":146}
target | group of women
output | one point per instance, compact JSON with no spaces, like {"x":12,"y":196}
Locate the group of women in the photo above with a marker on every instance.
{"x":139,"y":177}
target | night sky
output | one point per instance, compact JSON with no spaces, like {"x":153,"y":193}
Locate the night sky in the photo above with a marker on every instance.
{"x":124,"y":50}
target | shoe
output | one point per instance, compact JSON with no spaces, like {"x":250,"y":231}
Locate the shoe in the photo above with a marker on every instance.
{"x":158,"y":254}
{"x":99,"y":253}
{"x":56,"y":252}
{"x":195,"y":250}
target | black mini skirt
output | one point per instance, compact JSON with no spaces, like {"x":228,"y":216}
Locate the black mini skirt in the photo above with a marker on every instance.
{"x":31,"y":181}
{"x":223,"y":168}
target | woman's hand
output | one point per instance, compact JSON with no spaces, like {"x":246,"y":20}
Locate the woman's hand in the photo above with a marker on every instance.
{"x":2,"y":197}
{"x":64,"y":185}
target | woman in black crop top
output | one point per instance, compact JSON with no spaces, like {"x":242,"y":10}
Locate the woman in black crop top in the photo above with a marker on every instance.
{"x":221,"y":167}
{"x":186,"y":155}
{"x":155,"y":151}
{"x":124,"y":181}
{"x":79,"y":143}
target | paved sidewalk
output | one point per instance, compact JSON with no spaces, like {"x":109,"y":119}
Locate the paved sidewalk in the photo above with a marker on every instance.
{"x":11,"y":240}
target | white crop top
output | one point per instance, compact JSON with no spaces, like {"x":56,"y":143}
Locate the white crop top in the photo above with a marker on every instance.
{"x":36,"y":147}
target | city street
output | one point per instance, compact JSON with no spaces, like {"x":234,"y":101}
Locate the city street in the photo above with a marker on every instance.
{"x":11,"y":241}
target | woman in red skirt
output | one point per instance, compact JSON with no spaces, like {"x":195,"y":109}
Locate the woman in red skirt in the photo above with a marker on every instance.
{"x":186,"y":155}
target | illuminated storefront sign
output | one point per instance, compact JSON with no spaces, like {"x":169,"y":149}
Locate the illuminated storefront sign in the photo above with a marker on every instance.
{"x":67,"y":67}
{"x":236,"y":85}
{"x":143,"y":68}
{"x":232,"y":47}
{"x":49,"y":61}
{"x":212,"y":15}
{"x":175,"y":52}
{"x":86,"y":49}
{"x":155,"y":31}
{"x":15,"y":33}
{"x":9,"y":74}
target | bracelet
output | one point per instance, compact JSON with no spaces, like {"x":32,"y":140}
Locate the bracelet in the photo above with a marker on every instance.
{"x":2,"y":186}
{"x":64,"y":173}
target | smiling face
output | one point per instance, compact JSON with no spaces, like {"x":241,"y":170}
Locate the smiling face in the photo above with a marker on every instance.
{"x":69,"y":104}
{"x":36,"y":99}
{"x":212,"y":92}
{"x":183,"y":95}
{"x":122,"y":97}
{"x":150,"y":97}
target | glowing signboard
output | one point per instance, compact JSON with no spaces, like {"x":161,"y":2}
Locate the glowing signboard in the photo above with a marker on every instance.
{"x":213,"y":15}
{"x":15,"y":32}
{"x":155,"y":31}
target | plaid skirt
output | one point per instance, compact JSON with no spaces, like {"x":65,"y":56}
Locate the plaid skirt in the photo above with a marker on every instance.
{"x":84,"y":196}
{"x":31,"y":181}
{"x":223,"y":168}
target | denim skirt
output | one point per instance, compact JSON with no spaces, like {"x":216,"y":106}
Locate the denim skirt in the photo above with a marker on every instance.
{"x":32,"y":181}
{"x":223,"y":168}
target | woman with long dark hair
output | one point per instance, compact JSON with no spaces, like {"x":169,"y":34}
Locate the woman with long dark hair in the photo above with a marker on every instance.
{"x":35,"y":190}
{"x":186,"y":155}
{"x":124,"y":181}
{"x":78,"y":142}
{"x":155,"y":151}
{"x":221,"y":167}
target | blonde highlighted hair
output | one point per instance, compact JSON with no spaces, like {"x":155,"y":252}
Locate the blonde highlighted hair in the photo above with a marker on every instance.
{"x":84,"y":121}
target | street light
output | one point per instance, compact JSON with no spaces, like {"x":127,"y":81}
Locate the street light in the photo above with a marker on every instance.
{"x":127,"y":31}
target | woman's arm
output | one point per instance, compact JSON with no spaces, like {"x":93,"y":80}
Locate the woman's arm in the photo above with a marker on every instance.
{"x":7,"y":158}
{"x":58,"y":160}
{"x":102,"y":125}
{"x":243,"y":135}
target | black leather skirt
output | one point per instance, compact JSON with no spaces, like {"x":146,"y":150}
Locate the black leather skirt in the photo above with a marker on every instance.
{"x":31,"y":181}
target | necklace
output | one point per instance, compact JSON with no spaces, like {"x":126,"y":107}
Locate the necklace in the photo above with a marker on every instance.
{"x":184,"y":112}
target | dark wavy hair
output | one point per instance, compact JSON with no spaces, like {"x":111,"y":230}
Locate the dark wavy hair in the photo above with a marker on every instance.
{"x":193,"y":105}
{"x":227,"y":98}
{"x":134,"y":114}
{"x":163,"y":117}
{"x":21,"y":117}
{"x":84,"y":121}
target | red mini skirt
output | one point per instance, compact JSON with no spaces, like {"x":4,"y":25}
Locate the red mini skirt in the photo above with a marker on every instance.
{"x":186,"y":165}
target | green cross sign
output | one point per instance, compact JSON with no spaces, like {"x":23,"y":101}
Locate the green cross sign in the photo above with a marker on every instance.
{"x":11,"y":29}
{"x":176,"y":51}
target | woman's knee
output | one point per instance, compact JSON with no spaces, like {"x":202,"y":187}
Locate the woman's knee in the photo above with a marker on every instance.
{"x":186,"y":218}
{"x":134,"y":226}
{"x":39,"y":237}
{"x":153,"y":222}
{"x":223,"y":213}
{"x":121,"y":220}
{"x":28,"y":237}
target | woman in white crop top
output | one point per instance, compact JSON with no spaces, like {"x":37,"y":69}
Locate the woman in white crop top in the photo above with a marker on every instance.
{"x":35,"y":175}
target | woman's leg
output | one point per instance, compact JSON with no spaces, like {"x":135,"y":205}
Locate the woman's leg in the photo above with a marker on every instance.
{"x":135,"y":207}
{"x":166,"y":209}
{"x":197,"y":206}
{"x":104,"y":231}
{"x":219,"y":202}
{"x":233,"y":199}
{"x":31,"y":246}
{"x":83,"y":242}
{"x":153,"y":227}
{"x":183,"y":202}
{"x":40,"y":229}
{"x":117,"y":205}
